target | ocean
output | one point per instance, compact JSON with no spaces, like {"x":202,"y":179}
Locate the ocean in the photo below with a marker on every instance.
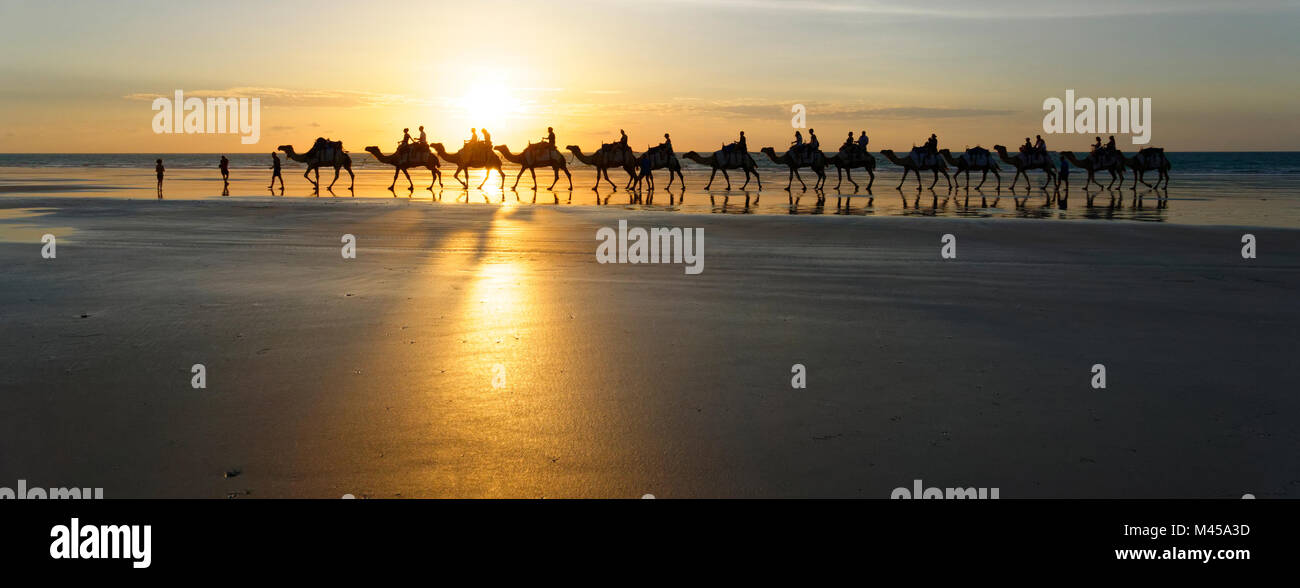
{"x":1206,"y":188}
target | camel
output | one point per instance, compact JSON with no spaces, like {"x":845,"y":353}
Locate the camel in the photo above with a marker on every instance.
{"x":610,"y":155}
{"x":472,"y":156}
{"x":1022,"y":168}
{"x":719,"y":160}
{"x":323,"y":152}
{"x":1093,"y":164}
{"x":659,"y":159}
{"x":848,"y":158}
{"x":814,"y":159}
{"x":414,"y":155}
{"x":912,"y":162}
{"x":1148,"y":159}
{"x":537,"y":155}
{"x":976,"y":158}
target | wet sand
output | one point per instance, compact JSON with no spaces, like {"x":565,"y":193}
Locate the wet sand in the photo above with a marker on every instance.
{"x":374,"y":376}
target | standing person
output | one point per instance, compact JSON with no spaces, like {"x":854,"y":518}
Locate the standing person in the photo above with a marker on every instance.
{"x":158,"y":169}
{"x":275,"y":171}
{"x":224,"y":166}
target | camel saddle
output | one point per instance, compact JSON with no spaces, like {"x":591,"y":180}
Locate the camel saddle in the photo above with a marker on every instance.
{"x":1106,"y":158}
{"x":326,"y":148}
{"x":730,"y":157}
{"x":1152,"y":157}
{"x":923,"y":157}
{"x":978,"y":157}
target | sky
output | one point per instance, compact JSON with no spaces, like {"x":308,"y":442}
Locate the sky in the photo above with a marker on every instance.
{"x":81,"y":76}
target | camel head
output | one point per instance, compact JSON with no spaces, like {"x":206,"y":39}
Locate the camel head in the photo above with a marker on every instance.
{"x":1000,"y":148}
{"x":285,"y":148}
{"x":502,"y":148}
{"x":373,"y":150}
{"x":573,"y":148}
{"x":768,"y":150}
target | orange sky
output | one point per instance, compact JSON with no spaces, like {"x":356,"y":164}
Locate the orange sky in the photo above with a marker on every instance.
{"x":700,"y":70}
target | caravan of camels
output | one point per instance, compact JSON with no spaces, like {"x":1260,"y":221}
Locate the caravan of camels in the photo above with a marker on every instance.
{"x":480,"y":153}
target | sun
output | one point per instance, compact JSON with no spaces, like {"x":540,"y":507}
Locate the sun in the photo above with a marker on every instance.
{"x":488,"y":102}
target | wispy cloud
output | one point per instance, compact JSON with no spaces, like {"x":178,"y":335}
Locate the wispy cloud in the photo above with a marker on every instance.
{"x":295,"y":97}
{"x":1002,"y":9}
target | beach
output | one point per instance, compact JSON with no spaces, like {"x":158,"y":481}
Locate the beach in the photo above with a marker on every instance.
{"x":476,"y":350}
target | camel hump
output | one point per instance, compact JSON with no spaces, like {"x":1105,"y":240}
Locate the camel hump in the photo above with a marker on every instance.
{"x":978,"y":156}
{"x":1151,"y":156}
{"x":923,"y":157}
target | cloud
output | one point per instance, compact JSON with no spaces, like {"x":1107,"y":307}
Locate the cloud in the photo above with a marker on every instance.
{"x":1000,"y":9}
{"x":780,"y":110}
{"x":283,"y":96}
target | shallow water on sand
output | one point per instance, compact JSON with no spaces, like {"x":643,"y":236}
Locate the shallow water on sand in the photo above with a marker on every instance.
{"x":1218,"y":194}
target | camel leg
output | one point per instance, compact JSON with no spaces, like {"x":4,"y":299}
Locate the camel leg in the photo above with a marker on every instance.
{"x":396,"y":171}
{"x":872,"y":178}
{"x":336,"y":178}
{"x":520,"y":175}
{"x":307,"y":175}
{"x":533,"y":171}
{"x":983,"y":179}
{"x":790,"y":182}
{"x":801,"y":182}
{"x":612,"y":185}
{"x":711,"y":176}
{"x":900,"y":182}
{"x":849,"y":173}
{"x":570,"y":177}
{"x":407,"y":173}
{"x":839,"y":176}
{"x":681,"y":179}
{"x":935,"y":173}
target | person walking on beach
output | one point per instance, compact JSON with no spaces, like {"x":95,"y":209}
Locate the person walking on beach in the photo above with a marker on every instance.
{"x":224,"y":166}
{"x":275,"y":171}
{"x":158,"y":169}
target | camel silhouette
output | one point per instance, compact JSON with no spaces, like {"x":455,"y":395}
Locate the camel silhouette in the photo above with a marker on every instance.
{"x":415,"y":155}
{"x":913,"y":163}
{"x":323,"y":153}
{"x":814,"y":159}
{"x":610,"y":155}
{"x":849,"y":157}
{"x":537,"y":155}
{"x":976,"y":158}
{"x":471,"y":156}
{"x":725,"y":160}
{"x":1022,"y":166}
